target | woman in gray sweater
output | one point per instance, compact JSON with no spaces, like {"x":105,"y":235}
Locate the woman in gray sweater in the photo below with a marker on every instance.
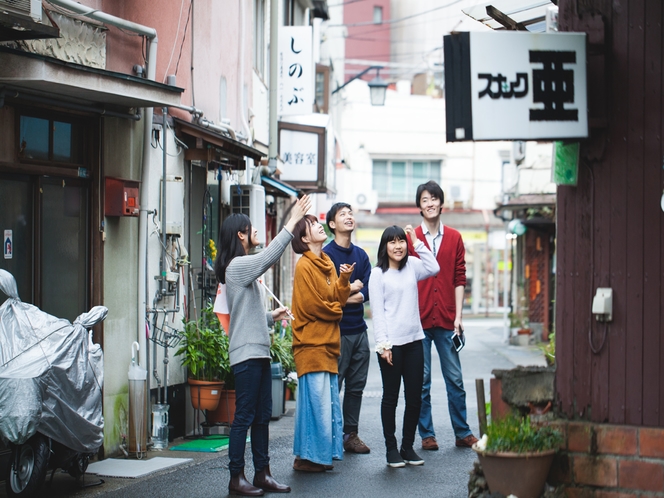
{"x":250,"y":343}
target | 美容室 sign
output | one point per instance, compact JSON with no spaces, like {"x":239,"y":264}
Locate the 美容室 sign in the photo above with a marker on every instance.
{"x":302,"y":151}
{"x":515,"y":86}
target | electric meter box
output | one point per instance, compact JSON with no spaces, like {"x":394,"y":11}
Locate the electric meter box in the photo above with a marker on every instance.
{"x":174,"y":219}
{"x":121,"y":197}
{"x":250,"y":200}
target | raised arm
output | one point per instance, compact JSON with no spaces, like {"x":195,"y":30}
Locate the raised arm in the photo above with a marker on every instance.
{"x":426,"y":266}
{"x":244,"y":270}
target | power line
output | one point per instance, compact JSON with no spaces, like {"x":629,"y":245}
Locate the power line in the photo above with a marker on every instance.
{"x":392,"y":21}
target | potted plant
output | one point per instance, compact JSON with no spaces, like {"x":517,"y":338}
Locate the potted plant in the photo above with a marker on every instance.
{"x":281,"y":351}
{"x":204,"y":351}
{"x":516,"y":456}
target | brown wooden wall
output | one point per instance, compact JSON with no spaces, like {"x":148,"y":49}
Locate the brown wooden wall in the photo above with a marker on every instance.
{"x":611,"y":227}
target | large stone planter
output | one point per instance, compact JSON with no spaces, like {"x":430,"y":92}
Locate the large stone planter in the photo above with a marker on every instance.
{"x":518,"y":474}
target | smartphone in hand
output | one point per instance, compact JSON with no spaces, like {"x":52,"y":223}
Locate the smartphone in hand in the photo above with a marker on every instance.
{"x":459,"y":341}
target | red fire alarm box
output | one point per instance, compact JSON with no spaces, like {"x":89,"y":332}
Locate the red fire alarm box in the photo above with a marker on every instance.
{"x":121,"y":197}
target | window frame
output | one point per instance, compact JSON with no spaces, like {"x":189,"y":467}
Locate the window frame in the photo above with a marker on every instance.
{"x":411,"y":183}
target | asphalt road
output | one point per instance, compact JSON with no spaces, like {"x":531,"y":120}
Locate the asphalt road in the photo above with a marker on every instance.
{"x":444,"y":474}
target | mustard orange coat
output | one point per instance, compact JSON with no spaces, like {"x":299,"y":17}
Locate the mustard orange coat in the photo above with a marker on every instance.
{"x":318,"y":297}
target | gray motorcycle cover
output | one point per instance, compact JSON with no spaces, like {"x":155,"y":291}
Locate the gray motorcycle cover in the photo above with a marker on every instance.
{"x":51,"y":374}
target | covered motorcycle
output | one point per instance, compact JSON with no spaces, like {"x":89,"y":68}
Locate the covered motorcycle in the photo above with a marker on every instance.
{"x":51,"y":377}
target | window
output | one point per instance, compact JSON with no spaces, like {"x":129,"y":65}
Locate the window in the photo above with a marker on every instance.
{"x":44,"y":139}
{"x":259,"y":36}
{"x":397,"y":181}
{"x":322,"y":88}
{"x":378,"y":15}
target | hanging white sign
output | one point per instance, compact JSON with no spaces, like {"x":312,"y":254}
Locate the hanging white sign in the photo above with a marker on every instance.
{"x":295,"y":71}
{"x":515,"y":86}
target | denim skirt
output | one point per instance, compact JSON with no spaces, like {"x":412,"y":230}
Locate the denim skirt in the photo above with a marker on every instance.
{"x":318,"y":422}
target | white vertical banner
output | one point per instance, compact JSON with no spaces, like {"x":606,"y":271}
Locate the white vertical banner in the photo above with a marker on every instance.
{"x":295,"y":71}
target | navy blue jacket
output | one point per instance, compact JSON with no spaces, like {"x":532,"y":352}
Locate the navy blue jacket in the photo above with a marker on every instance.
{"x":352,"y":321}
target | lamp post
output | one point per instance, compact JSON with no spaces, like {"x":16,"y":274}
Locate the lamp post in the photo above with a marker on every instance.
{"x":377,"y":86}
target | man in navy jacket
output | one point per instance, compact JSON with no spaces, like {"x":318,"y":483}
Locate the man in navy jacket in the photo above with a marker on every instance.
{"x":355,"y":353}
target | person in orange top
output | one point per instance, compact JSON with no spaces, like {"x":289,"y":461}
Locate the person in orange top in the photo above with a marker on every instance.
{"x":318,"y":298}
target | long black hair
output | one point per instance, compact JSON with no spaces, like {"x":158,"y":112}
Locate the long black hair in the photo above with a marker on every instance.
{"x":391,"y":233}
{"x":230,"y":245}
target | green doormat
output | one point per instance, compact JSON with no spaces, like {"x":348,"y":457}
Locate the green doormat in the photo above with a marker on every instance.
{"x":207,"y":444}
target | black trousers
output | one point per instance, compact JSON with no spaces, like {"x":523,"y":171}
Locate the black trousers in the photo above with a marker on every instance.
{"x":407,"y":363}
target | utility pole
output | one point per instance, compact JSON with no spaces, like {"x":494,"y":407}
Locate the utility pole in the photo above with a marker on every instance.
{"x":274,"y":53}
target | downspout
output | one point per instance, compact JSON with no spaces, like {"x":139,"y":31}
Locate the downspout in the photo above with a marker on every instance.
{"x":151,"y":63}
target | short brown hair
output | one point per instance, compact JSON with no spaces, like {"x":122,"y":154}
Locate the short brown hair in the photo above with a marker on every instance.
{"x":300,"y":231}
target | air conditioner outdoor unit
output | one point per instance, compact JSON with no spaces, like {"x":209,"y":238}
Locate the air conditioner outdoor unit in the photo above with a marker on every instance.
{"x":365,"y":200}
{"x":250,"y":200}
{"x":30,"y":8}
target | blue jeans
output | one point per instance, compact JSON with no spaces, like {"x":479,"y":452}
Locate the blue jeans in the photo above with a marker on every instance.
{"x":253,"y":408}
{"x":456,"y":395}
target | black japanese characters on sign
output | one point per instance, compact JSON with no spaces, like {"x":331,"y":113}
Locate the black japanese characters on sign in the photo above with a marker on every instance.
{"x":504,"y":89}
{"x":294,"y":68}
{"x":553,"y":86}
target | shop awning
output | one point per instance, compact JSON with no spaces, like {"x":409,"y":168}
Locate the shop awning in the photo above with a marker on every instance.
{"x":527,"y":14}
{"x":28,"y":74}
{"x":527,"y":201}
{"x":207,"y":145}
{"x":278,"y":188}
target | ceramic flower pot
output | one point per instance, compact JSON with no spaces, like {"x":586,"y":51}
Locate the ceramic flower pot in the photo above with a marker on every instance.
{"x":519,"y":474}
{"x":204,"y":394}
{"x":225,"y":411}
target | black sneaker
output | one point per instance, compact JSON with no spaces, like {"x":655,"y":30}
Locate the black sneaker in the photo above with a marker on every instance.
{"x":394,"y":459}
{"x":410,"y":457}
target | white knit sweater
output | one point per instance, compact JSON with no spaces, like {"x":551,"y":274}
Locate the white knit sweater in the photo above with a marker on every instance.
{"x":394,"y":304}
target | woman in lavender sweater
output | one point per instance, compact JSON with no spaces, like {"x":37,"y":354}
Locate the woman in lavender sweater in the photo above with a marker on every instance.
{"x":398,"y":334}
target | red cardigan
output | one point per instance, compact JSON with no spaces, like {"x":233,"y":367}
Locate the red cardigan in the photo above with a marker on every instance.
{"x":436,"y":294}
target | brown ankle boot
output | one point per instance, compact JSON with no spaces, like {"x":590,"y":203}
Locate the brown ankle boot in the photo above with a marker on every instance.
{"x":240,"y":486}
{"x":264,"y":480}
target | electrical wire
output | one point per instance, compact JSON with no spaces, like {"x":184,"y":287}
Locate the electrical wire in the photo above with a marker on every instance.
{"x":177,"y":30}
{"x":392,"y":21}
{"x":184,"y":35}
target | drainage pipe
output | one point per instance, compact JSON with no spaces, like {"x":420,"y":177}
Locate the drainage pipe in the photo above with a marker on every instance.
{"x":220,"y":128}
{"x":151,"y":63}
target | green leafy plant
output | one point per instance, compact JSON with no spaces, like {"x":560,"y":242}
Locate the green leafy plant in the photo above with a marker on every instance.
{"x":519,"y":435}
{"x":204,"y":348}
{"x":281,"y":349}
{"x":549,"y":349}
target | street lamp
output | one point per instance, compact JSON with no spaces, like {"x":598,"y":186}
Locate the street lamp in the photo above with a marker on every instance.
{"x":378,"y":89}
{"x":377,"y":86}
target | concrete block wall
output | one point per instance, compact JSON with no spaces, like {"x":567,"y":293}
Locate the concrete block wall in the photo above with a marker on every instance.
{"x":609,"y":461}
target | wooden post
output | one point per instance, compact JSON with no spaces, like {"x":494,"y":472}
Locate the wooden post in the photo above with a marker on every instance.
{"x":481,"y":405}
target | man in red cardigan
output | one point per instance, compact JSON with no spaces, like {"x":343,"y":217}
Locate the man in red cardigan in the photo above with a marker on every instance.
{"x":441,"y":302}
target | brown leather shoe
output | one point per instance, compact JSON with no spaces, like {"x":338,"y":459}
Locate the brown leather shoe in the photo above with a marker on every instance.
{"x":307,"y":466}
{"x":430,"y":444}
{"x":240,"y":486}
{"x":264,"y":480}
{"x":466,"y":442}
{"x":355,"y":445}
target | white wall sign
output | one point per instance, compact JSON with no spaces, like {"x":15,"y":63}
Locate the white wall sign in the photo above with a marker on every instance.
{"x":302,"y":151}
{"x":515,"y":86}
{"x":295,"y":71}
{"x":8,"y":244}
{"x":299,"y":152}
